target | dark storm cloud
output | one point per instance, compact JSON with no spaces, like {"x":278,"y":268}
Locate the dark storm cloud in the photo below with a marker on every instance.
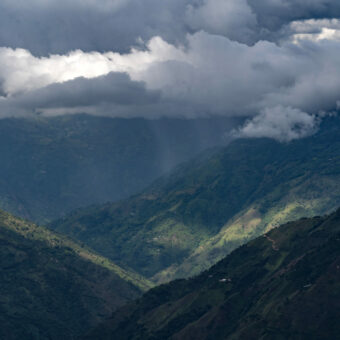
{"x":274,"y":15}
{"x":112,"y":95}
{"x":50,"y":26}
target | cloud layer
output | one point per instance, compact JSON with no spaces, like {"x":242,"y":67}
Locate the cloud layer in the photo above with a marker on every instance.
{"x":273,"y":62}
{"x":49,"y":26}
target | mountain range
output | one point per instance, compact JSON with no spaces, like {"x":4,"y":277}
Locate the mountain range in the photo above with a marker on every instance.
{"x":52,"y":165}
{"x":282,"y":285}
{"x":170,"y":170}
{"x":189,"y":219}
{"x":179,"y":226}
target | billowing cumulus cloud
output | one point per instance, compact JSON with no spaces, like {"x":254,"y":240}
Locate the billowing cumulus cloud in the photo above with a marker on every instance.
{"x":20,"y":71}
{"x":275,"y":63}
{"x":209,"y":75}
{"x":282,"y":123}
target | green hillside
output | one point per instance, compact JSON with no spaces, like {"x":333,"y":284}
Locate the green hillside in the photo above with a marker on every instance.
{"x":51,"y":166}
{"x":190,"y":219}
{"x":52,"y":288}
{"x":283,"y":285}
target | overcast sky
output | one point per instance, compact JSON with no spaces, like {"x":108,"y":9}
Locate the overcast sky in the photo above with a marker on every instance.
{"x":274,"y":62}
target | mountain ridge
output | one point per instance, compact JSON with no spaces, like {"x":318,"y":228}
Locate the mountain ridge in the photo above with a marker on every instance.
{"x":186,"y":221}
{"x":51,"y":288}
{"x":52,"y":165}
{"x":284,"y":284}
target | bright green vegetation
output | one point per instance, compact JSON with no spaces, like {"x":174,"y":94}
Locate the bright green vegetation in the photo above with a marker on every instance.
{"x":283,"y":285}
{"x":50,"y":166}
{"x":52,"y":288}
{"x":307,"y":197}
{"x":188,"y":220}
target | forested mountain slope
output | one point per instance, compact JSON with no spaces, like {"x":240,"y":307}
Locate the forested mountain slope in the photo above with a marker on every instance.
{"x":52,"y":288}
{"x":283,"y":285}
{"x":189,"y":219}
{"x":50,"y":166}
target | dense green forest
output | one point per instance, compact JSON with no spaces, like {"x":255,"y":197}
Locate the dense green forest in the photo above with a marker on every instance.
{"x":188,"y":220}
{"x":283,"y":285}
{"x":53,"y":288}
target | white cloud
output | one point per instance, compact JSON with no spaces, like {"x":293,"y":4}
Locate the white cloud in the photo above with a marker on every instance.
{"x":315,"y":30}
{"x":281,"y":123}
{"x":20,"y":71}
{"x":210,"y":75}
{"x":265,"y":60}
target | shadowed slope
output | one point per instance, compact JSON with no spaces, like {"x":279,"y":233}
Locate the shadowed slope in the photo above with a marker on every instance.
{"x":52,"y":288}
{"x":53,"y":165}
{"x":283,"y":285}
{"x":188,"y":220}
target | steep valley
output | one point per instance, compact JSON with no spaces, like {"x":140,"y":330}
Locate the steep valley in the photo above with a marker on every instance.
{"x":53,"y":288}
{"x":285,"y":285}
{"x":188,"y":220}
